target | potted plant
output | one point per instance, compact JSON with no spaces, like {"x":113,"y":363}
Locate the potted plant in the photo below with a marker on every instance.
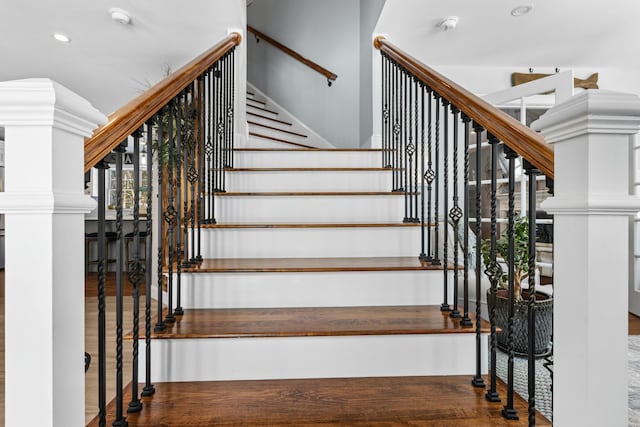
{"x":544,"y":302}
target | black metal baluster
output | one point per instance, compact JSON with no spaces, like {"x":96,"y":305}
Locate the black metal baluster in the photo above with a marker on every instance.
{"x":182,"y":129}
{"x":509,"y":412}
{"x":170,"y":212}
{"x":445,"y":209}
{"x":385,"y":109}
{"x":221,"y":129}
{"x":455,"y":214}
{"x":231,"y":111}
{"x":192,"y":174}
{"x":199,"y":165}
{"x":423,"y":254}
{"x":120,"y":420}
{"x":466,"y":320}
{"x":429,"y":175}
{"x":135,"y":274}
{"x":436,"y":194}
{"x":493,"y":269}
{"x":102,"y":331}
{"x":532,"y":173}
{"x":210,"y":147}
{"x":149,"y":389}
{"x":396,"y":129}
{"x":477,"y":380}
{"x":406,"y":131}
{"x":163,"y":114}
{"x":418,"y":119}
{"x":410,"y":150}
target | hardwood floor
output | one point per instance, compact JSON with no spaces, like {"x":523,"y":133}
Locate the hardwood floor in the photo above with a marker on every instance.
{"x":394,"y":401}
{"x":634,"y":324}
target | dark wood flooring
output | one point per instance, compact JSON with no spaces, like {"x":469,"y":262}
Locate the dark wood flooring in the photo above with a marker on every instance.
{"x":91,"y":285}
{"x":634,"y":324}
{"x":395,"y":401}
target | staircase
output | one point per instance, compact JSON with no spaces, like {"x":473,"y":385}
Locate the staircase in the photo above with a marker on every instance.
{"x":309,"y":273}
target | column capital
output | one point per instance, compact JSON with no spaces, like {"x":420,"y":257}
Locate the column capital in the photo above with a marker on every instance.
{"x":591,"y":112}
{"x":43,"y":102}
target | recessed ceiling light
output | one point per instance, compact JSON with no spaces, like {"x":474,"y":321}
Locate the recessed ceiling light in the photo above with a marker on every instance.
{"x":61,"y":37}
{"x":521,"y":10}
{"x":120,"y":15}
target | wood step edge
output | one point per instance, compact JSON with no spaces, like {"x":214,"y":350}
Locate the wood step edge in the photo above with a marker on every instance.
{"x":276,"y":129}
{"x":355,"y":150}
{"x":301,"y":265}
{"x":256,"y":100}
{"x":313,"y":322}
{"x":263,"y":109}
{"x":315,"y":225}
{"x":284,"y":141}
{"x":249,"y":113}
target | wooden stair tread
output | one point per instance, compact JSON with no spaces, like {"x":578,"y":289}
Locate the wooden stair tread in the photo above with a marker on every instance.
{"x":276,"y":129}
{"x":256,"y":100}
{"x":311,"y":193}
{"x":312,"y":321}
{"x":447,"y":401}
{"x":249,"y":113}
{"x":263,"y":109}
{"x":251,"y":265}
{"x":284,"y":141}
{"x":355,"y":150}
{"x":308,"y":170}
{"x":316,"y":225}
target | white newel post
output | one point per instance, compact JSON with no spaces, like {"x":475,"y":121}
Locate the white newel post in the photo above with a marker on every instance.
{"x":591,"y":134}
{"x":44,"y":206}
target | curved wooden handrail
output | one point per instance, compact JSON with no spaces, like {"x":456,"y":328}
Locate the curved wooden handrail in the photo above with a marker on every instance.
{"x":309,"y":63}
{"x":527,"y":143}
{"x":128,"y":118}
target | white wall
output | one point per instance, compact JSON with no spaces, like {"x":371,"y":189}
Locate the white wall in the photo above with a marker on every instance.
{"x":327,"y":32}
{"x":369,"y":13}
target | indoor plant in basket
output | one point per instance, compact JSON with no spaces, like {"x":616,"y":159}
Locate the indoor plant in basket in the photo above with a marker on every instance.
{"x":544,"y":303}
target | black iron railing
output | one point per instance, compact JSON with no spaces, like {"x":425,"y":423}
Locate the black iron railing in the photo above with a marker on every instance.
{"x":470,"y":156}
{"x":177,"y":156}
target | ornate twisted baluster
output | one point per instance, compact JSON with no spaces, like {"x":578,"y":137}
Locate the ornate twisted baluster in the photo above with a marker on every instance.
{"x":466,"y":320}
{"x":455,"y":214}
{"x":445,"y":201}
{"x":102,"y":332}
{"x":436,"y":192}
{"x":493,"y":269}
{"x":160,"y":154}
{"x":170,"y":214}
{"x":477,"y":380}
{"x":429,"y":175}
{"x":149,"y":389}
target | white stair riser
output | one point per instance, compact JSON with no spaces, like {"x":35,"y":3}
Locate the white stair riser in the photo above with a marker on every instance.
{"x":305,"y":159}
{"x":311,"y":357}
{"x":310,"y":181}
{"x":254,"y":142}
{"x":313,"y":289}
{"x":310,"y":242}
{"x":309,"y":209}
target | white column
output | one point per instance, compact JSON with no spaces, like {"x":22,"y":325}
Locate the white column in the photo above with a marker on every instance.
{"x":591,"y":134}
{"x":44,"y":203}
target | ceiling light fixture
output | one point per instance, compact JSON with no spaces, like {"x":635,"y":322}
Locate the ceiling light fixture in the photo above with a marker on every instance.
{"x":61,"y":37}
{"x":448,"y":23}
{"x":121,"y":16}
{"x":521,"y":10}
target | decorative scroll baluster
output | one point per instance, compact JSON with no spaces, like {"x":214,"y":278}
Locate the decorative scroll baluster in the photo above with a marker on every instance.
{"x":445,"y":210}
{"x":410,"y":150}
{"x":466,"y":320}
{"x":477,"y":380}
{"x":429,"y":175}
{"x":509,"y":412}
{"x":191,"y":177}
{"x":418,"y":119}
{"x":120,"y":420}
{"x":436,"y":194}
{"x":149,"y":389}
{"x":135,"y":274}
{"x":385,"y":110}
{"x":493,"y":269}
{"x":196,"y":186}
{"x":396,"y":130}
{"x":532,"y":173}
{"x":170,"y":212}
{"x":404,"y":163}
{"x":163,"y":114}
{"x":455,"y":214}
{"x":423,"y":254}
{"x":231,"y":111}
{"x":182,"y":128}
{"x":102,"y":331}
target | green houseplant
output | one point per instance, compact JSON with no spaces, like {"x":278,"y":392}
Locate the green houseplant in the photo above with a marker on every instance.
{"x":544,"y":303}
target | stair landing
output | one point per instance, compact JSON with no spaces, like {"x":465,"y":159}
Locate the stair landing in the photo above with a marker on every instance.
{"x":392,"y":401}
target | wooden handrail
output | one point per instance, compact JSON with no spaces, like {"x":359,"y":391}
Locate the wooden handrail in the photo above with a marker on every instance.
{"x":309,"y":63}
{"x":527,"y":143}
{"x":128,"y":118}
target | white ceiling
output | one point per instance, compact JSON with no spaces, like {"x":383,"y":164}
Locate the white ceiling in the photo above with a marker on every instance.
{"x":109,"y":63}
{"x":557,"y":33}
{"x":106,"y":62}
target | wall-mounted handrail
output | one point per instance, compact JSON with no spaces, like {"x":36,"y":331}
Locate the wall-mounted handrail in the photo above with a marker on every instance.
{"x":309,"y":63}
{"x":518,"y":137}
{"x":124,"y":121}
